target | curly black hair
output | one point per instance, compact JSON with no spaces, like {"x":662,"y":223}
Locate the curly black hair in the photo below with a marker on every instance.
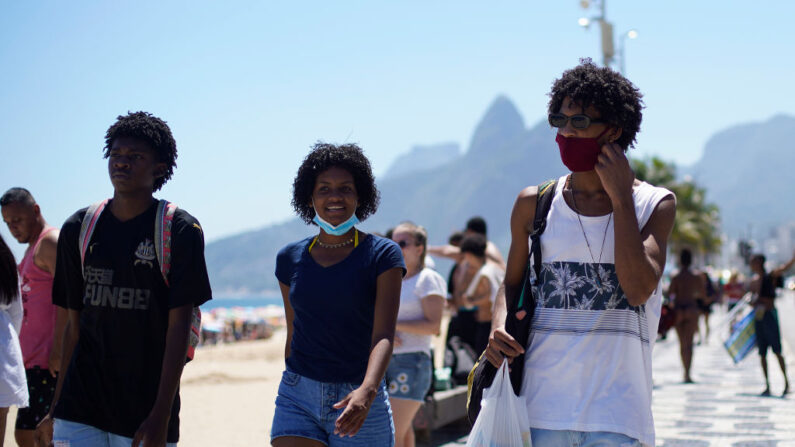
{"x":324,"y":156}
{"x":151,"y":129}
{"x":9,"y":280}
{"x":614,"y":96}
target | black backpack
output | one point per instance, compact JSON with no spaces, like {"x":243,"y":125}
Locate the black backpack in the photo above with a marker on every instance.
{"x":482,"y":374}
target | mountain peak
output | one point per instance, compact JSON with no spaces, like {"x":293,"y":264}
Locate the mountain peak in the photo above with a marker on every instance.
{"x":501,"y":122}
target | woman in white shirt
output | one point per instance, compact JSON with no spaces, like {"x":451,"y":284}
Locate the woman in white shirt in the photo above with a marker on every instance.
{"x":422,"y":294}
{"x":13,"y":386}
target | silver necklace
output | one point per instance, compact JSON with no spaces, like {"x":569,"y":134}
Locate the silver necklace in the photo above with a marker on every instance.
{"x":582,"y":228}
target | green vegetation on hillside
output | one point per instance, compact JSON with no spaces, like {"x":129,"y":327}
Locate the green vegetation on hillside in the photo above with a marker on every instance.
{"x":697,"y":222}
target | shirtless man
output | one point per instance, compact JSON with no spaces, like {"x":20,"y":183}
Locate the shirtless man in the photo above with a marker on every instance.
{"x":477,"y":281}
{"x":475,"y":225}
{"x":767,"y":330}
{"x":687,"y":287}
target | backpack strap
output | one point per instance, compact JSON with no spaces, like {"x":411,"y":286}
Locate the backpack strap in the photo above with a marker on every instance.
{"x":87,"y":229}
{"x":163,"y":224}
{"x":546,"y":192}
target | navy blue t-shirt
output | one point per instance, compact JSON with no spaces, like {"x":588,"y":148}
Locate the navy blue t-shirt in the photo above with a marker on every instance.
{"x":334,"y":307}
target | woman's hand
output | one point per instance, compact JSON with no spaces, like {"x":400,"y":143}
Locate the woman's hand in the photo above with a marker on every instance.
{"x":357,"y":404}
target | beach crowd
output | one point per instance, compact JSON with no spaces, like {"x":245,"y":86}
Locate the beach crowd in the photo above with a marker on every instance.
{"x":100,"y":317}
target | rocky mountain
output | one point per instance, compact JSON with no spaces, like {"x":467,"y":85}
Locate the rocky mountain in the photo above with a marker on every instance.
{"x":745,"y":169}
{"x":423,"y":158}
{"x":748,"y":172}
{"x":503,"y":157}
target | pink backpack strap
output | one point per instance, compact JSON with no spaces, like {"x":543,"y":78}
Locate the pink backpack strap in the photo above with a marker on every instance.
{"x":87,"y":229}
{"x":163,"y":226}
{"x":163,"y":223}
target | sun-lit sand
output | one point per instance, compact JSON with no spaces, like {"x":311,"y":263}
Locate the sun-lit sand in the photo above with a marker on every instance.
{"x":228,"y":393}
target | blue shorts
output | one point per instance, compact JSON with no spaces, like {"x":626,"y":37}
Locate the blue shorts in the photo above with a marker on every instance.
{"x":562,"y":438}
{"x":304,"y":409}
{"x":409,"y":376}
{"x":74,"y":434}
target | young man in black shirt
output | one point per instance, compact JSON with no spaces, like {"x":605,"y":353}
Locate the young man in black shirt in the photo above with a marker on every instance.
{"x":128,"y":330}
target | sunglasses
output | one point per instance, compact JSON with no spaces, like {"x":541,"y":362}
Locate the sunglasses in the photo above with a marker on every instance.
{"x":404,"y":244}
{"x":577,"y":121}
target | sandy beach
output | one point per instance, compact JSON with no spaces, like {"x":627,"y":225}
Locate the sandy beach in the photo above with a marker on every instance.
{"x":228,"y":393}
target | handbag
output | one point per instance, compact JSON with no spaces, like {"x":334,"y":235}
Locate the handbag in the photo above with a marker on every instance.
{"x":483,"y":373}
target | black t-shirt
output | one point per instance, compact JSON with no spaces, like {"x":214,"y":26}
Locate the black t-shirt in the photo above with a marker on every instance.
{"x":124,"y":304}
{"x":767,"y":287}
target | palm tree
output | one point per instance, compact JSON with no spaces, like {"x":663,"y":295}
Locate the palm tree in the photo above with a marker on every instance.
{"x":697,"y":222}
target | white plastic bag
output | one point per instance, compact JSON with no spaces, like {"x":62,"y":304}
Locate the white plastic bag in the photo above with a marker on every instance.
{"x":502,"y":421}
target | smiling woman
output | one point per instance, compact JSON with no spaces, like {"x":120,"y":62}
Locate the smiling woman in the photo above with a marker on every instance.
{"x":341,"y":292}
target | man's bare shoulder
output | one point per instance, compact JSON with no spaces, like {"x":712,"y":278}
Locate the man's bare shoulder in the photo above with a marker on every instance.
{"x":48,"y":244}
{"x":528,"y":193}
{"x":527,"y":198}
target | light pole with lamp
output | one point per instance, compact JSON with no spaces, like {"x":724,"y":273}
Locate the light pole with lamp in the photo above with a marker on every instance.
{"x":632,"y":34}
{"x":605,"y":27}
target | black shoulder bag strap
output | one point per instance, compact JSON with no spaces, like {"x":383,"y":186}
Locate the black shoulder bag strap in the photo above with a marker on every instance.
{"x":482,"y":374}
{"x":546,"y":192}
{"x":520,"y":329}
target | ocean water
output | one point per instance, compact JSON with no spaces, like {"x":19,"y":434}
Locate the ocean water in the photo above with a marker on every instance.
{"x":242,"y":301}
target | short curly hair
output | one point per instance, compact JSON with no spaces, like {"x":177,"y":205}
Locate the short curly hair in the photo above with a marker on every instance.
{"x":151,"y":129}
{"x":614,"y":96}
{"x":325,"y":156}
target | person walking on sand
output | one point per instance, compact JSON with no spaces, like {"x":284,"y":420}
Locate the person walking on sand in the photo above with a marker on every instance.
{"x":128,"y":326}
{"x":13,"y":389}
{"x":43,"y":322}
{"x":768,"y":334}
{"x":410,"y":372}
{"x":341,"y":291}
{"x":687,"y":287}
{"x":587,"y":371}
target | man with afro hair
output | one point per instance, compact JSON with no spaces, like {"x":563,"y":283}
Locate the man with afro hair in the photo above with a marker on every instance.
{"x":587,"y":365}
{"x":130,"y":303}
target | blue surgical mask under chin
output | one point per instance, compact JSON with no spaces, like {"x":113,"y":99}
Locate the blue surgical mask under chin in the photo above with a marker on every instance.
{"x":340,"y":229}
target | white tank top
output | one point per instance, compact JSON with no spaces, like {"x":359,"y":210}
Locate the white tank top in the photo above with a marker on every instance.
{"x":494,"y":274}
{"x":588,"y":362}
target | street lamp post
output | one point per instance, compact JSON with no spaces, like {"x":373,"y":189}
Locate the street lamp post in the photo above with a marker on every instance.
{"x":606,"y":31}
{"x":632,"y":34}
{"x":605,"y":28}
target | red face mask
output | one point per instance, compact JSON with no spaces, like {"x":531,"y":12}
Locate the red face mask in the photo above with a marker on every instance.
{"x":579,"y":154}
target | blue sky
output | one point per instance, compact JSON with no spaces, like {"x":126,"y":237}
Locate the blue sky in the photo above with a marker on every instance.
{"x":248,"y":87}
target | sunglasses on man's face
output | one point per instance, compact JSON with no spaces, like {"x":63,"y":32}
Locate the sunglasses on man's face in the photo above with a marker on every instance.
{"x":577,"y":121}
{"x":404,"y":244}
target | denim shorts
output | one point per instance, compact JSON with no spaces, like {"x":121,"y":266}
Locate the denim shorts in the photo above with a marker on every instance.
{"x":304,"y":409}
{"x":562,"y":438}
{"x":74,"y":434}
{"x":409,"y":376}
